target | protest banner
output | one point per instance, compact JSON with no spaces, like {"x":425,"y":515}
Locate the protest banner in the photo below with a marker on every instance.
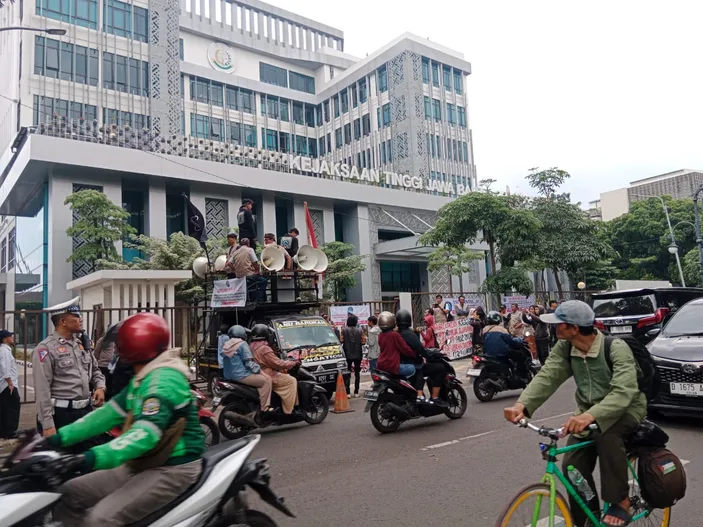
{"x":339,"y":314}
{"x":229,"y":293}
{"x":460,"y":332}
{"x":522,"y":301}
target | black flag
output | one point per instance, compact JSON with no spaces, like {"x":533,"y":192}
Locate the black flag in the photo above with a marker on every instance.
{"x":196,"y":222}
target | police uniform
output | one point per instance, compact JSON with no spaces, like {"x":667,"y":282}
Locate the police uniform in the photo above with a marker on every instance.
{"x":65,"y":374}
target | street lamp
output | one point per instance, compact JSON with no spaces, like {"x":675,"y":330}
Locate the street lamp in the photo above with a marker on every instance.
{"x":673,"y":249}
{"x":48,"y":31}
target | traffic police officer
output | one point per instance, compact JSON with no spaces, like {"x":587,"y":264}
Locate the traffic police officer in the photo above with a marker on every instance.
{"x":65,"y":372}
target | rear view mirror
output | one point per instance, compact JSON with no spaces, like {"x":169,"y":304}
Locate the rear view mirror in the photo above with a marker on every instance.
{"x":653,"y":332}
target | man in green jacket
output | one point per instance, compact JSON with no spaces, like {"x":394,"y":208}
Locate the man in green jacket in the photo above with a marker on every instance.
{"x":158,"y":455}
{"x":606,"y":394}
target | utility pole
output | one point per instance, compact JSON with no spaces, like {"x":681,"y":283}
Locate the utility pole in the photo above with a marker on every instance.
{"x":699,"y":237}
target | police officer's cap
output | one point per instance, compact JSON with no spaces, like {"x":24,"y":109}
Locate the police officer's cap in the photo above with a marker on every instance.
{"x":71,"y":307}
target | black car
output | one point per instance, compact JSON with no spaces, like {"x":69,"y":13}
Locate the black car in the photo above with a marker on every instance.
{"x":678,"y":354}
{"x":638,"y":311}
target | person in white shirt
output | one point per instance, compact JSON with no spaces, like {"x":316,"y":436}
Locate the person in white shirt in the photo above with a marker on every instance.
{"x":9,"y":387}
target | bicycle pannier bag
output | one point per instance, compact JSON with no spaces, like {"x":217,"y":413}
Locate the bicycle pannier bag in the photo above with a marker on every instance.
{"x":661,"y":477}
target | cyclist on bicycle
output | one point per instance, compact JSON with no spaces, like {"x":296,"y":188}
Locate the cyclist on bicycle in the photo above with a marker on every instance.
{"x":607,"y":394}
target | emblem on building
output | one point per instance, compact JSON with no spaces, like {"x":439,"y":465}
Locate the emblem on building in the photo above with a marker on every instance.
{"x":221,"y":57}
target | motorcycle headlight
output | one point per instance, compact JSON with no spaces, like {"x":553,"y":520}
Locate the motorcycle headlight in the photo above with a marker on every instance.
{"x":341,"y":365}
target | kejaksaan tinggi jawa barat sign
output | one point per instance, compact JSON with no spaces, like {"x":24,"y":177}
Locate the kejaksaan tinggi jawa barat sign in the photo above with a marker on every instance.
{"x":353,"y":173}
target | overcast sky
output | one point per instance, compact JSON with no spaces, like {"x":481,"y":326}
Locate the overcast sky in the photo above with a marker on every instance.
{"x":610,"y":91}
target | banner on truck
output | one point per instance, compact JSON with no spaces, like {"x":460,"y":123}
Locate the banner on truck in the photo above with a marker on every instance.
{"x":229,"y":293}
{"x":470,"y":301}
{"x":522,"y":301}
{"x":339,"y":314}
{"x":460,"y":332}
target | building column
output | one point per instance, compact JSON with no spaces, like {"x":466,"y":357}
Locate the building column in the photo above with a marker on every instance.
{"x":358,"y":234}
{"x":267,"y":220}
{"x":300,"y":223}
{"x":156,"y":210}
{"x":60,"y":244}
{"x":328,"y":220}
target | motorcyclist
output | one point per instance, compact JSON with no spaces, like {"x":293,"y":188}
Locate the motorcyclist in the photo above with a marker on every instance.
{"x":433,"y":370}
{"x":286,"y":386}
{"x":157,"y":456}
{"x":240,"y":366}
{"x":498,"y":343}
{"x":393,"y":347}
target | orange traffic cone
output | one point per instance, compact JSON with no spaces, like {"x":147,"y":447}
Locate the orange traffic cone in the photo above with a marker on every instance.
{"x":341,"y":401}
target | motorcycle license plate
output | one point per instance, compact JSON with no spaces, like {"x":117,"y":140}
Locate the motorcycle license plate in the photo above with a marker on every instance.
{"x":473,"y":373}
{"x":371,"y":395}
{"x":326,"y":378}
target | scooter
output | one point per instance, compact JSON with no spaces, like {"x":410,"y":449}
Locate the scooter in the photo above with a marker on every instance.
{"x":31,"y":476}
{"x":393,"y":400}
{"x":242,"y":408}
{"x":491,"y":375}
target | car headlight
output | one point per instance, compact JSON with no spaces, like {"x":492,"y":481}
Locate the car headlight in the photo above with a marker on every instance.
{"x":656,"y":360}
{"x":341,"y":365}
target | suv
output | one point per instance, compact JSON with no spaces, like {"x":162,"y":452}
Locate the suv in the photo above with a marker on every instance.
{"x":638,"y":311}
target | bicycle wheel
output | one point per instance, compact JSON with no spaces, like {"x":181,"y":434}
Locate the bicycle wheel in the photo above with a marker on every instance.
{"x":530,"y":507}
{"x":655,"y":517}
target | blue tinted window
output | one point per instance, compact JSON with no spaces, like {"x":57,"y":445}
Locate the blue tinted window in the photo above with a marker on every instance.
{"x":273,"y":75}
{"x":301,"y":82}
{"x":80,"y":12}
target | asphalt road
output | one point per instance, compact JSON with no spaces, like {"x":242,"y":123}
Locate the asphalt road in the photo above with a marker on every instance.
{"x":433,"y":472}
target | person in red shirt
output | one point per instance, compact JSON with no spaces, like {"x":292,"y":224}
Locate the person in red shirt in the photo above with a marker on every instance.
{"x":392,"y":347}
{"x":429,"y":337}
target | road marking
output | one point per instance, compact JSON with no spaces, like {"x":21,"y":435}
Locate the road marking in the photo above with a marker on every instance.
{"x":459,"y":440}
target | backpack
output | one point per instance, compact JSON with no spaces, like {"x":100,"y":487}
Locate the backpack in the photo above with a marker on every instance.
{"x":661,"y":478}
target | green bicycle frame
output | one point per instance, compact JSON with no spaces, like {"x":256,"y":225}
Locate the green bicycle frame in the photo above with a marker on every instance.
{"x":553,"y":474}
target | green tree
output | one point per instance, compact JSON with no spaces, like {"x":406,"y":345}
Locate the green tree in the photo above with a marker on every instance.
{"x":547,"y":181}
{"x":342,"y":269}
{"x":101,"y":223}
{"x":508,"y":279}
{"x":456,"y":259}
{"x":484,"y":185}
{"x":598,"y":276}
{"x":692,"y":269}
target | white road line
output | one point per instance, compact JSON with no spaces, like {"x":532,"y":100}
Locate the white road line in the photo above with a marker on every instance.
{"x":459,"y":440}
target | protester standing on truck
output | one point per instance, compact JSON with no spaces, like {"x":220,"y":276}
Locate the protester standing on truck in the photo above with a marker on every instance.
{"x":232,"y":246}
{"x":245,"y":219}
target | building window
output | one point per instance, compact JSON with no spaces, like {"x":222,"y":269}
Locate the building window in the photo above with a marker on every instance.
{"x":437,"y":109}
{"x":336,"y":105}
{"x":383,"y":152}
{"x":321,"y":143}
{"x":355,"y":96}
{"x":366,"y":124}
{"x":269,"y":139}
{"x":363,"y":90}
{"x":181,"y":53}
{"x":119,"y":75}
{"x":205,"y":127}
{"x":451,"y":114}
{"x":435,"y":74}
{"x":120,"y":118}
{"x":234,"y":132}
{"x":318,"y":114}
{"x":338,"y":138}
{"x":458,"y":82}
{"x":57,"y":59}
{"x":301,"y":145}
{"x":326,"y":110}
{"x":455,"y":150}
{"x":439,"y":147}
{"x":175,"y":211}
{"x":312,"y":147}
{"x":273,"y":75}
{"x":386,"y":114}
{"x":11,"y":246}
{"x":250,"y":135}
{"x":80,"y":12}
{"x":126,"y":20}
{"x":466,"y":152}
{"x":461,"y":155}
{"x":428,"y":108}
{"x":344,"y":95}
{"x":284,"y":141}
{"x":329,"y":143}
{"x":401,"y":277}
{"x":462,"y":116}
{"x":430,"y":141}
{"x":310,"y":115}
{"x":449,"y":148}
{"x":382,"y":79}
{"x":45,"y":108}
{"x":447,"y":78}
{"x":357,"y":128}
{"x":207,"y":91}
{"x":246,"y":99}
{"x":298,"y":112}
{"x":300,"y":82}
{"x":3,"y":256}
{"x":347,"y":134}
{"x":425,"y":70}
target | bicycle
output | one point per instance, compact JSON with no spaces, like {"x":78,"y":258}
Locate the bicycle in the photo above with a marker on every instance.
{"x":557,"y":513}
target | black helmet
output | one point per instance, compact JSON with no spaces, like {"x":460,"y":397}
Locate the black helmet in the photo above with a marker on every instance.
{"x":260,"y":332}
{"x":386,"y":321}
{"x":493,"y":318}
{"x":404,"y":319}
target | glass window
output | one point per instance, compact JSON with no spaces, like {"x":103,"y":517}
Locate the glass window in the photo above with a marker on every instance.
{"x":383,"y":152}
{"x":382,"y":79}
{"x":347,"y":134}
{"x":428,"y":108}
{"x":309,"y":115}
{"x":273,"y":75}
{"x":322,"y":148}
{"x":355,"y":97}
{"x":449,"y":148}
{"x":336,"y":105}
{"x":439,"y":147}
{"x":451,"y":114}
{"x":386,"y":114}
{"x":462,"y":116}
{"x":269,"y":139}
{"x":217,"y":94}
{"x":366,"y":124}
{"x":93,"y":67}
{"x":298,"y":112}
{"x":283,"y":108}
{"x":232,"y":97}
{"x":246,"y":101}
{"x":52,"y":59}
{"x":180,"y":49}
{"x":81,"y":65}
{"x":235,"y":132}
{"x":300,"y":82}
{"x":344,"y":95}
{"x":686,"y":321}
{"x":312,"y":147}
{"x":284,"y":141}
{"x":318,"y":114}
{"x":626,"y":305}
{"x":250,"y":135}
{"x":326,"y":110}
{"x":437,"y":109}
{"x":66,"y":64}
{"x":357,"y":128}
{"x":338,"y":138}
{"x":425,"y":70}
{"x":134,"y":69}
{"x":466,"y":152}
{"x":363,"y":90}
{"x":458,"y":82}
{"x":301,"y":145}
{"x":3,"y":256}
{"x":120,"y":73}
{"x":378,"y":116}
{"x":435,"y":74}
{"x":455,"y":150}
{"x":390,"y":151}
{"x":108,"y":70}
{"x":80,"y":12}
{"x":39,"y":55}
{"x":430,"y":141}
{"x":447,"y":78}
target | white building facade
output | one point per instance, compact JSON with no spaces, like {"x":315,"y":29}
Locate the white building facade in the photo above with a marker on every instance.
{"x":223,"y":101}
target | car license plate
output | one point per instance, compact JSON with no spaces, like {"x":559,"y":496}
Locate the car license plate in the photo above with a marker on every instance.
{"x":371,"y":395}
{"x":326,"y":378}
{"x":621,"y":329}
{"x":473,"y":373}
{"x":686,"y":388}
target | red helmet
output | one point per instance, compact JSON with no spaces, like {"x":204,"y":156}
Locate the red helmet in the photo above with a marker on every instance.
{"x":142,"y":337}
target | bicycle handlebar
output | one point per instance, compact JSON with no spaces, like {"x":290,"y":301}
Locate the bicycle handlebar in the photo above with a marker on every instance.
{"x":545,"y":431}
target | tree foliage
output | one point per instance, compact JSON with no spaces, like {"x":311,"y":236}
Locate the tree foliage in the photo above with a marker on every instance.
{"x":692,"y":269}
{"x":457,"y":259}
{"x":101,"y":223}
{"x":508,"y":279}
{"x":342,"y":269}
{"x":548,"y":181}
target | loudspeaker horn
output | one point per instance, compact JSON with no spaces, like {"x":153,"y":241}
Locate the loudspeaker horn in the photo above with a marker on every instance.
{"x":220,"y":263}
{"x":322,"y":262}
{"x":306,"y":258}
{"x":273,"y":258}
{"x":200,"y":266}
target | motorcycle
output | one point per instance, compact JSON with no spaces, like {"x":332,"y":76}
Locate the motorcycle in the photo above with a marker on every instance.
{"x":30,"y":481}
{"x":241,"y":412}
{"x":491,"y":375}
{"x":392,"y":400}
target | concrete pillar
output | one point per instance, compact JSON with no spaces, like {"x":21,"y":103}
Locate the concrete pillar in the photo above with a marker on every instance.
{"x":266,"y":222}
{"x":309,"y":36}
{"x":356,"y":232}
{"x":156,"y":210}
{"x":60,"y":244}
{"x":286,"y":33}
{"x":300,"y":223}
{"x":260,"y":21}
{"x":328,"y":215}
